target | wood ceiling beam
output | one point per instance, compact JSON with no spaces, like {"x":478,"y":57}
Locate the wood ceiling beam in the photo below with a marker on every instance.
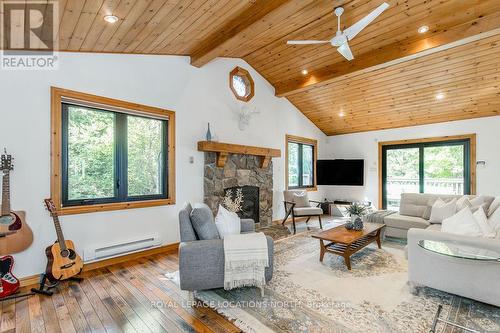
{"x":234,"y":31}
{"x":393,"y":54}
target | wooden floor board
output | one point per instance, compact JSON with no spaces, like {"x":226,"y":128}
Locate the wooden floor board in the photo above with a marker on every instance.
{"x":35,"y":314}
{"x":133,"y":296}
{"x":23,"y":324}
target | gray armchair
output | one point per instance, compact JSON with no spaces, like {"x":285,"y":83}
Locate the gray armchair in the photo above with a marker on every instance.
{"x":201,"y":262}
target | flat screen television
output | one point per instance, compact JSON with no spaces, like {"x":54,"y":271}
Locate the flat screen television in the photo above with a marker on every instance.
{"x":341,"y":172}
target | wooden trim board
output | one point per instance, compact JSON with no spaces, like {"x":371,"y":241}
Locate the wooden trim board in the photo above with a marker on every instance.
{"x":35,"y":279}
{"x":224,"y":149}
{"x":57,"y":97}
{"x":472,"y":166}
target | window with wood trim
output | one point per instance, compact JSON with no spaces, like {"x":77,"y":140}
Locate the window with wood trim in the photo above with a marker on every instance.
{"x":444,"y":165}
{"x":301,"y":157}
{"x":109,"y":154}
{"x":241,"y":84}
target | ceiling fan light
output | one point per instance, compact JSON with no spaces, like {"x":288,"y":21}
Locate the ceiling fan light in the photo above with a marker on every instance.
{"x":423,"y":29}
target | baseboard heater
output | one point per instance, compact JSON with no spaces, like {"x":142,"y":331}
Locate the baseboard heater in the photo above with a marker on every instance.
{"x":115,"y":250}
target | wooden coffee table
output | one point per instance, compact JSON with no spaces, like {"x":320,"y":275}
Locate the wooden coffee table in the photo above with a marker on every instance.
{"x":345,"y":242}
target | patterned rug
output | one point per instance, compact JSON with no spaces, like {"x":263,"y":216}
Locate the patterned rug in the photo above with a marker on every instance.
{"x":308,"y":296}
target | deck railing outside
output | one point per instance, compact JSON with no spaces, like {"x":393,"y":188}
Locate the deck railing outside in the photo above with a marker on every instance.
{"x":396,"y":186}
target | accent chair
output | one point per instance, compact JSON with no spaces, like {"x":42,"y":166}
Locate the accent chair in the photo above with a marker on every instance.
{"x":297,"y":204}
{"x":201,"y":261}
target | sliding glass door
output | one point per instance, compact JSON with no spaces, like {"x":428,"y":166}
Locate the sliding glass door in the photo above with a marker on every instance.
{"x":431,"y":167}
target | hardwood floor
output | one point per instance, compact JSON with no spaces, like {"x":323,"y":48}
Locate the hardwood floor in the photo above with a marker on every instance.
{"x":128,"y":297}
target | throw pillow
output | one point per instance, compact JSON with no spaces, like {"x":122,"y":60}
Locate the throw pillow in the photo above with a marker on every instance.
{"x":494,"y":206}
{"x":487,"y":230}
{"x":494,"y":221}
{"x":463,"y":202}
{"x":480,"y":207}
{"x":477,"y":201}
{"x":203,"y":223}
{"x":301,"y":199}
{"x":227,"y":223}
{"x":442,"y":210}
{"x":462,"y":223}
{"x":427,"y":212}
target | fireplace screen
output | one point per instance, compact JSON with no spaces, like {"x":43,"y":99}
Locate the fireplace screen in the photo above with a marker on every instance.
{"x":243,"y":200}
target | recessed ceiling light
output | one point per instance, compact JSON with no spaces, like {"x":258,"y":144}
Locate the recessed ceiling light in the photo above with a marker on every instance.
{"x":341,"y":114}
{"x":440,"y":96}
{"x":423,"y":29}
{"x":304,"y":72}
{"x":111,"y":18}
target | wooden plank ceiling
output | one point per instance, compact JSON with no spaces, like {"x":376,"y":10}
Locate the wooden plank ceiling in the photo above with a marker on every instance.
{"x":367,"y":96}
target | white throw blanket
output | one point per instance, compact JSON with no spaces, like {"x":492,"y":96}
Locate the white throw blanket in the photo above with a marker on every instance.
{"x":246,"y":258}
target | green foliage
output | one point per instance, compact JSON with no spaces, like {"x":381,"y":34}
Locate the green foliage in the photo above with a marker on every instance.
{"x":91,"y":154}
{"x":294,"y":167}
{"x":439,"y":162}
{"x":293,"y":164}
{"x":144,"y":156}
{"x":356,"y":209}
{"x":444,"y":162}
{"x":402,"y":163}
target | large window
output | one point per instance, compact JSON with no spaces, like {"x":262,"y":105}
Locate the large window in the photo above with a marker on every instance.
{"x":301,"y":162}
{"x":110,"y":154}
{"x":436,"y":166}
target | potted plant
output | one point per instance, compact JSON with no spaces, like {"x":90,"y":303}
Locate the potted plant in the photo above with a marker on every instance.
{"x":356,"y":210}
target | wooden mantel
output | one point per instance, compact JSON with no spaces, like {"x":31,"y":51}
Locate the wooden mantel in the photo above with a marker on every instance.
{"x":224,"y":149}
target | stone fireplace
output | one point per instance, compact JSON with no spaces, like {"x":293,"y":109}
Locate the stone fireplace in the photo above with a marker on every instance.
{"x":244,"y":172}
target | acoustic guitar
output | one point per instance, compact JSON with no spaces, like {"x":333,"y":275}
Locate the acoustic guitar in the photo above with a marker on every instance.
{"x":62,"y":260}
{"x":15,"y":234}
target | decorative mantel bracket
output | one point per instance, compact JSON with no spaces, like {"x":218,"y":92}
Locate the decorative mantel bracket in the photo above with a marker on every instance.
{"x":224,"y":149}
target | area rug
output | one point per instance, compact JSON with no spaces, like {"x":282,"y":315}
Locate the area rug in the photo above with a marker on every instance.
{"x":308,"y":296}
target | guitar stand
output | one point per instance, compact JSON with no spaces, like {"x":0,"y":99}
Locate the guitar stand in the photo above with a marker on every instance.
{"x":44,"y":289}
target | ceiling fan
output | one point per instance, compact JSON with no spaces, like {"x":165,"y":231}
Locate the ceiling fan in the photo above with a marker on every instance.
{"x":341,"y":38}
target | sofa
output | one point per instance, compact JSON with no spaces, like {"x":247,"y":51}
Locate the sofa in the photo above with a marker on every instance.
{"x":201,"y":262}
{"x":411,"y":212}
{"x":464,"y":277}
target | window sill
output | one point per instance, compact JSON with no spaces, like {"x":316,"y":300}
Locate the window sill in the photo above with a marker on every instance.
{"x":113,"y":206}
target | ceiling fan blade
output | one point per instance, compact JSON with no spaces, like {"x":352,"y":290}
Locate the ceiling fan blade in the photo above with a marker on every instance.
{"x":345,"y":50}
{"x":356,"y":28}
{"x":306,"y":42}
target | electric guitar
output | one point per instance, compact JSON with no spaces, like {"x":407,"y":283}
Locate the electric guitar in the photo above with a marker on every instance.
{"x":9,"y":284}
{"x":62,"y":260}
{"x":15,"y":234}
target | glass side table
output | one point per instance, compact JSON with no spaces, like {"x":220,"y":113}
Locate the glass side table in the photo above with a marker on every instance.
{"x":456,"y":250}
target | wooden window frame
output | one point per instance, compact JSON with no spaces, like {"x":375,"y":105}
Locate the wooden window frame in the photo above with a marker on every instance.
{"x":472,"y":157}
{"x":297,"y":139}
{"x":58,"y":96}
{"x":238,"y":71}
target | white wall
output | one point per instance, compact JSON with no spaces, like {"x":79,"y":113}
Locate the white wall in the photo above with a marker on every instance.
{"x":196,"y":95}
{"x":365,"y":145}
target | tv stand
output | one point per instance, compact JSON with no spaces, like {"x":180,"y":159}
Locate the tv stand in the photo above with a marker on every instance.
{"x":336,"y":208}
